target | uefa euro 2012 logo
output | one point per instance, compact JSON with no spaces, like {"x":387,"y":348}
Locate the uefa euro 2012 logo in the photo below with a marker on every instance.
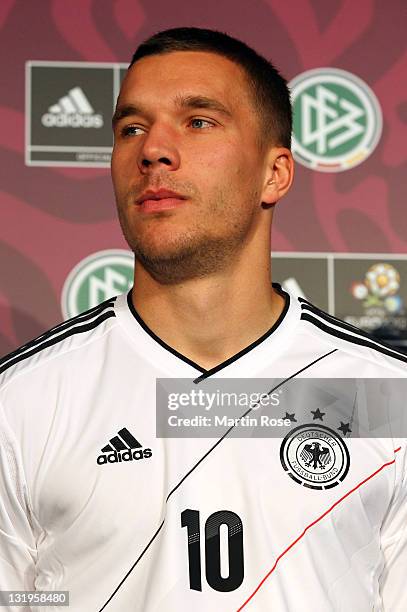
{"x":379,"y":289}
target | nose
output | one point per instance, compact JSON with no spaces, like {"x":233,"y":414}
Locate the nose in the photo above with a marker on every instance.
{"x":159,"y":150}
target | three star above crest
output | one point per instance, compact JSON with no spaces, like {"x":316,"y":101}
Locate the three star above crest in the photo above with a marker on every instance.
{"x":318,"y":415}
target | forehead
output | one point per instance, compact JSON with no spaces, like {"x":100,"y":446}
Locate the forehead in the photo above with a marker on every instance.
{"x":164,"y":76}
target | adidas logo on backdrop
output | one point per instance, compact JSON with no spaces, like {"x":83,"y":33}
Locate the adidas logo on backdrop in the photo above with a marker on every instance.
{"x":73,"y":110}
{"x":123,"y":447}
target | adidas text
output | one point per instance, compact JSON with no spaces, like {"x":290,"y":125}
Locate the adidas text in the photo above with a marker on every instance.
{"x":127,"y":455}
{"x":74,"y":120}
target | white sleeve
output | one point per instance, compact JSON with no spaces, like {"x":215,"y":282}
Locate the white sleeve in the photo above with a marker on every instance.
{"x":393,"y":580}
{"x":18,"y":552}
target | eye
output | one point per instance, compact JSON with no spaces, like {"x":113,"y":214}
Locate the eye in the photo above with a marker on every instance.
{"x":201,"y":123}
{"x":131,"y":130}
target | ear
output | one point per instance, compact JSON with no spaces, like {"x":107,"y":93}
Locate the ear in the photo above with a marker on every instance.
{"x":279,"y":175}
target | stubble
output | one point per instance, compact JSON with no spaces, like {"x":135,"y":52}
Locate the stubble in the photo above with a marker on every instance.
{"x":209,"y":246}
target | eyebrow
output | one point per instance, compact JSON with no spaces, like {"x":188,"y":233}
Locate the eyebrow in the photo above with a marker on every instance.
{"x":202,"y":102}
{"x":127,"y":110}
{"x":181,"y":102}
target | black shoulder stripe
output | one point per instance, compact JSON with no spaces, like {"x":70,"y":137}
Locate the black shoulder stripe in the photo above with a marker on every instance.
{"x":78,"y":329}
{"x":360,"y":340}
{"x":85,"y":316}
{"x":334,"y":320}
{"x":347,"y":326}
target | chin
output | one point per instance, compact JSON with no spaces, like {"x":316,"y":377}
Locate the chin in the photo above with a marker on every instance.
{"x":155,"y":249}
{"x":163,"y":242}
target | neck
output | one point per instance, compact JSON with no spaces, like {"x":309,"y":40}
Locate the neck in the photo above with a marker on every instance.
{"x":210,"y":319}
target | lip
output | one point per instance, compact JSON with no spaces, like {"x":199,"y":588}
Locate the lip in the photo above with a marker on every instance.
{"x":162,"y":199}
{"x":160,"y":194}
{"x":151,"y":206}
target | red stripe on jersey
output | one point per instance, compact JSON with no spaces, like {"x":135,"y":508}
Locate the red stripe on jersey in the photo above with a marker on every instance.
{"x":314,"y":523}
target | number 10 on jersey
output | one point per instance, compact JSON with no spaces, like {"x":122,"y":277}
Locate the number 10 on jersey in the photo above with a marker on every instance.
{"x":191,"y":520}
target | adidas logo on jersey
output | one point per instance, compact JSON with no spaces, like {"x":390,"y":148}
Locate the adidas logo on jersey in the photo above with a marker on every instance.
{"x":123,"y":447}
{"x":73,"y":110}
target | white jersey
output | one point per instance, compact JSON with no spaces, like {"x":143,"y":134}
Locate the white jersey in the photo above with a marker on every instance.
{"x":93,"y":503}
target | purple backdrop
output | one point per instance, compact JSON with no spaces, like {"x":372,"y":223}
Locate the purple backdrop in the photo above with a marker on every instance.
{"x":52,"y":217}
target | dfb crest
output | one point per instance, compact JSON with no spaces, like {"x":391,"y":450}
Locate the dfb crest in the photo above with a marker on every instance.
{"x":315,"y":456}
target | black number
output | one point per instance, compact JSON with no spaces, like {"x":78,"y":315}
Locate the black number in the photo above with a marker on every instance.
{"x":190,"y":519}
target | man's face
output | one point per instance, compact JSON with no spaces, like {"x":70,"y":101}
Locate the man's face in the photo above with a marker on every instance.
{"x":186,"y":123}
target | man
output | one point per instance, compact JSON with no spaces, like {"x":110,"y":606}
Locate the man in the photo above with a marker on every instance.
{"x":92,"y":502}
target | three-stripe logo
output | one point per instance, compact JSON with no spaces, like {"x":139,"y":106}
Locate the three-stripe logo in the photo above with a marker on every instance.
{"x":74,"y":102}
{"x":72,"y":110}
{"x":123,"y":447}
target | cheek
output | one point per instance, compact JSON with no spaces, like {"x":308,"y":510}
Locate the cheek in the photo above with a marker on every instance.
{"x":115,"y":171}
{"x":224,"y":163}
{"x":123,"y":166}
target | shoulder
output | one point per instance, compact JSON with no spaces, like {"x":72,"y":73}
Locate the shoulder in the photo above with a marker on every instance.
{"x":71,"y":335}
{"x":351,"y":340}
